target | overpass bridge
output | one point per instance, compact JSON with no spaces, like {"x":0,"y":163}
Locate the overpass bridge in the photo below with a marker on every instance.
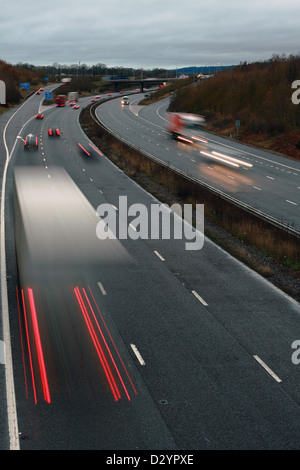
{"x":141,"y":82}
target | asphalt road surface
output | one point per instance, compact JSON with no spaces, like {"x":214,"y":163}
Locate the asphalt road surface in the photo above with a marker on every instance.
{"x":160,"y":349}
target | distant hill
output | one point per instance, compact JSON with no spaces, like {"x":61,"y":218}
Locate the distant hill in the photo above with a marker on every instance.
{"x":203,"y":69}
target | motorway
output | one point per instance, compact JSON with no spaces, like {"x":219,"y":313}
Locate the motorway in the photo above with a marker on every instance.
{"x":197,"y":345}
{"x":271,"y":185}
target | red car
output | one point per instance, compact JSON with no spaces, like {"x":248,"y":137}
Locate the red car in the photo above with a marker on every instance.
{"x":39,"y":116}
{"x":31,"y":142}
{"x":53,"y":132}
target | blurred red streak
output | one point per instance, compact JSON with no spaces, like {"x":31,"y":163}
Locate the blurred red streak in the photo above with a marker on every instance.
{"x":29,"y":348}
{"x":109,"y":352}
{"x":84,"y":149}
{"x":112,"y":341}
{"x":40,"y":354}
{"x":96,"y":150}
{"x":99,"y":350}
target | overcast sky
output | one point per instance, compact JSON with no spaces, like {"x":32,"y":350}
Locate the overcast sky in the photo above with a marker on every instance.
{"x":148,"y":33}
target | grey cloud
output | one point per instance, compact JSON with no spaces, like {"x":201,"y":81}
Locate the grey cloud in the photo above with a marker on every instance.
{"x":148,"y":34}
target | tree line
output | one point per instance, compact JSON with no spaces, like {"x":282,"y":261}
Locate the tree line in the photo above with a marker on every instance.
{"x":82,"y":69}
{"x":84,"y":77}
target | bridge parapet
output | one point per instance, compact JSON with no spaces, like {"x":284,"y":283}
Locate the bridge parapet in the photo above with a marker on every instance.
{"x":141,"y":82}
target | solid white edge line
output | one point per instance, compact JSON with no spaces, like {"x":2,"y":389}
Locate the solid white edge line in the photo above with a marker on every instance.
{"x":275,"y":377}
{"x":138,"y":355}
{"x":199,"y":298}
{"x":9,"y":375}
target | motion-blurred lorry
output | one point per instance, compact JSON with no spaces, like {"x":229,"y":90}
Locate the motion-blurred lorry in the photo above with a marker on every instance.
{"x":60,"y":100}
{"x":185,"y":126}
{"x":73,"y":96}
{"x":55,"y":229}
